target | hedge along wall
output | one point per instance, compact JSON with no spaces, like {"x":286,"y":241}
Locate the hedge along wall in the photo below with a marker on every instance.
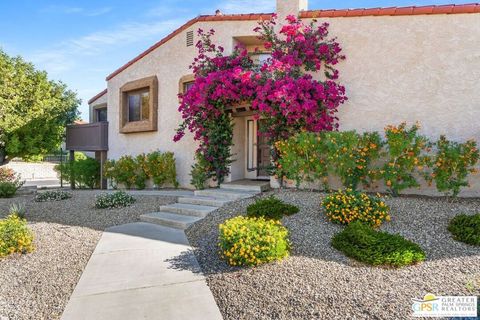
{"x":377,"y":161}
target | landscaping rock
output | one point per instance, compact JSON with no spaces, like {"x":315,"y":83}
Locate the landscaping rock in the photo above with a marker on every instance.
{"x":38,"y":285}
{"x":318,"y":282}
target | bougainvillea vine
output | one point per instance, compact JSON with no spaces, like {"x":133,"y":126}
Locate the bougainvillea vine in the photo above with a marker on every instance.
{"x":287,"y":90}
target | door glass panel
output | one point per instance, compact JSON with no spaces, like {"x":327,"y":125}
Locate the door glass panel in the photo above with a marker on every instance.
{"x":250,"y":145}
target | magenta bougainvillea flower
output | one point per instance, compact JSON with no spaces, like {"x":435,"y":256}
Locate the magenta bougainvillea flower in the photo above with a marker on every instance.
{"x":295,"y":89}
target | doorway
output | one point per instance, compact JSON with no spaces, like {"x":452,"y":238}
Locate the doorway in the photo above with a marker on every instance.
{"x":257,"y":151}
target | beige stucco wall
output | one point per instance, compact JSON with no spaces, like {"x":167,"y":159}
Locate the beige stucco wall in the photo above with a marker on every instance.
{"x":401,"y":68}
{"x":101,"y":101}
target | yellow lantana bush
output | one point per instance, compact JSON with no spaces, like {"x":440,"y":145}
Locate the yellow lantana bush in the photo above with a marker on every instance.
{"x":245,"y":241}
{"x":345,"y":206}
{"x":15,"y":236}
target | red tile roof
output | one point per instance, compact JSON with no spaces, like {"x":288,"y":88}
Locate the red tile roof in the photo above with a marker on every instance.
{"x":98,"y":95}
{"x":393,"y":11}
{"x":334,"y":13}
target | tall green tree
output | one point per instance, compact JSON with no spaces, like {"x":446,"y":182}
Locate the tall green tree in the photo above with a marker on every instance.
{"x":33,"y":110}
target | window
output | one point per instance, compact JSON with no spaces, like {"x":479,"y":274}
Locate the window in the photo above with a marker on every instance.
{"x":101,"y":114}
{"x":187,"y":85}
{"x":139,"y":104}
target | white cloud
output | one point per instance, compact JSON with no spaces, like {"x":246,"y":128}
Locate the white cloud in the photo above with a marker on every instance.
{"x":247,"y":6}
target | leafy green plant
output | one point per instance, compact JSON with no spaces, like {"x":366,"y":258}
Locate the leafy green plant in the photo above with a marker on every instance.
{"x":200,"y":172}
{"x":302,"y":158}
{"x":8,"y":189}
{"x":346,"y":206}
{"x":86,"y":171}
{"x":15,"y":236}
{"x":362,"y":243}
{"x":54,"y":195}
{"x":350,"y":156}
{"x":452,"y":164}
{"x":405,"y":156}
{"x":270,"y":208}
{"x":466,"y":228}
{"x":245,"y":241}
{"x":18,"y":209}
{"x":117,"y":199}
{"x":161,"y":168}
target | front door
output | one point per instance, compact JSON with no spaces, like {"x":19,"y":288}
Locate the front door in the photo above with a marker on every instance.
{"x":257,"y":151}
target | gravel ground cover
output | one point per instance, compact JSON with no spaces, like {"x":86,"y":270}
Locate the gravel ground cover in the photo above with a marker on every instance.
{"x":318,"y":282}
{"x":38,"y":285}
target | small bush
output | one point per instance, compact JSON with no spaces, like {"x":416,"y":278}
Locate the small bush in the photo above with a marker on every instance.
{"x":86,"y":171}
{"x":55,"y":195}
{"x":7,"y":175}
{"x":452,"y":164}
{"x":347,"y":206}
{"x":15,"y":236}
{"x":7,"y":189}
{"x":362,"y":243}
{"x":466,"y":228}
{"x":270,"y":208}
{"x":117,"y":199}
{"x":248,"y":241}
{"x":200,"y":172}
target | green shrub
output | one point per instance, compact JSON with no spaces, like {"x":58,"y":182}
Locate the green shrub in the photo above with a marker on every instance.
{"x":350,"y":156}
{"x":54,"y":195}
{"x":161,"y":168}
{"x":8,"y":189}
{"x":405,"y":156}
{"x":135,"y":171}
{"x":452,"y":164}
{"x":245,"y":241}
{"x":270,"y":208}
{"x":15,"y":236}
{"x":362,"y":243}
{"x":86,"y":171}
{"x":117,"y":199}
{"x":200,"y":172}
{"x":466,"y":228}
{"x":347,"y":206}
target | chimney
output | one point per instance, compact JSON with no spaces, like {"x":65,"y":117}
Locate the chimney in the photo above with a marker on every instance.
{"x":287,"y":7}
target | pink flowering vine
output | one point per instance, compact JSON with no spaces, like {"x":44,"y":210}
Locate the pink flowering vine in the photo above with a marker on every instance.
{"x":282,"y":90}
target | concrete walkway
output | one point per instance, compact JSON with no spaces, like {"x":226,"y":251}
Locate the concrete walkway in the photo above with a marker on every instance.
{"x":142,"y":271}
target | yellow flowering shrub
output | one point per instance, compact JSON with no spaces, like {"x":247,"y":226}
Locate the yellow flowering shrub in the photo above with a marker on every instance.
{"x":346,"y":206}
{"x":15,"y":236}
{"x":245,"y":241}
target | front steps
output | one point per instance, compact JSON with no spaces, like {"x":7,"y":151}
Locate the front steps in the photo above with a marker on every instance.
{"x":190,"y":209}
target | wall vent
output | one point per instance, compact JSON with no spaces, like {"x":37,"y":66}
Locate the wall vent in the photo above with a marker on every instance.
{"x":189,"y":38}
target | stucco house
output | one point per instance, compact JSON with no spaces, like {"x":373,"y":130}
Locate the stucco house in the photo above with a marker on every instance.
{"x":403,"y":64}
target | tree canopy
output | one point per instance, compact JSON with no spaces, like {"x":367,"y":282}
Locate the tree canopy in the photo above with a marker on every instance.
{"x":33,"y":110}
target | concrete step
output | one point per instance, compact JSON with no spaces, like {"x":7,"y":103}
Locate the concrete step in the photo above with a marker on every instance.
{"x":188,"y":209}
{"x":169,"y":219}
{"x":254,"y":187}
{"x":225,"y":194}
{"x":204,"y":201}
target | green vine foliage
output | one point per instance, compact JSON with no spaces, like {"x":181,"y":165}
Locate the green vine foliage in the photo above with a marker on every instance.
{"x":201,"y":172}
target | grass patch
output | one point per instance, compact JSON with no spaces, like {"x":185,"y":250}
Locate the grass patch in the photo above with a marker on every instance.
{"x":466,"y":228}
{"x":362,"y":243}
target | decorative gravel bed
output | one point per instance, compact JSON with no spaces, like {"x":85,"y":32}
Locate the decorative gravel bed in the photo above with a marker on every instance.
{"x":38,"y":285}
{"x":318,"y":282}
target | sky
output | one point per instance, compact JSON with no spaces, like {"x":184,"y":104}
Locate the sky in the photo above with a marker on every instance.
{"x":81,"y":42}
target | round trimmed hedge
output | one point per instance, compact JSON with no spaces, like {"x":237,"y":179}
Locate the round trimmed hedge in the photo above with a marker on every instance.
{"x":245,"y":241}
{"x":466,"y":228}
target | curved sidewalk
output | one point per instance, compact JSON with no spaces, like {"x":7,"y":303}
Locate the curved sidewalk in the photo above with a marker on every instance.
{"x":142,"y":271}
